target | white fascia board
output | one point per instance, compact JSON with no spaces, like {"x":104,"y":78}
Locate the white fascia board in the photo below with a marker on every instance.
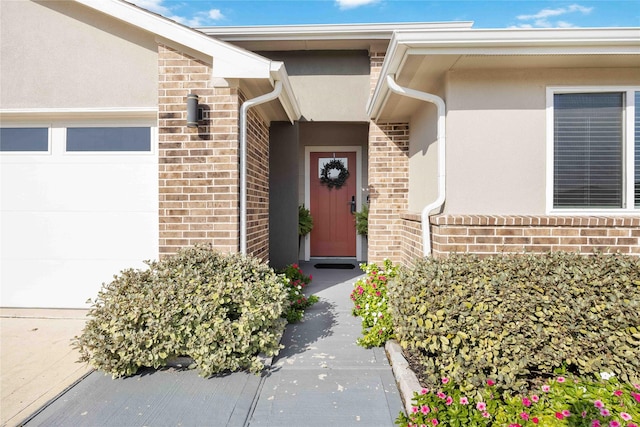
{"x":580,"y":38}
{"x":571,"y":41}
{"x":287,"y":97}
{"x":230,"y":61}
{"x":325,"y":31}
{"x":393,"y":60}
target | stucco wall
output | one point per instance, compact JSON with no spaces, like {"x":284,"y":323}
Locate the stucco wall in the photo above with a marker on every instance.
{"x":423,"y":157}
{"x":496,"y":140}
{"x":329,"y":85}
{"x":53,"y":51}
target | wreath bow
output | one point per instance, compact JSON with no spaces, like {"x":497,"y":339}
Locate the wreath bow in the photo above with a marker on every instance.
{"x":325,"y":174}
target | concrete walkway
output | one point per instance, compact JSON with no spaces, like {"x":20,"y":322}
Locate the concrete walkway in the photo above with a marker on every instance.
{"x":320,"y":378}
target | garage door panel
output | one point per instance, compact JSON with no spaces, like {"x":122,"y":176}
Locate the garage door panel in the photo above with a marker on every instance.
{"x":76,"y":235}
{"x":78,"y":187}
{"x":69,"y":221}
{"x":57,"y":283}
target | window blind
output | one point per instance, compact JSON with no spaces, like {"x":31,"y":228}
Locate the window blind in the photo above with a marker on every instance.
{"x":588,"y":150}
{"x":637,"y":150}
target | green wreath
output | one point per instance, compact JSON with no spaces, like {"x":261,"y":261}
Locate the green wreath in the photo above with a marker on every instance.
{"x":339,"y":180}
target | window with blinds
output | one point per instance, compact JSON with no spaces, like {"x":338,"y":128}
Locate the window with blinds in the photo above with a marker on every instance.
{"x":588,"y":150}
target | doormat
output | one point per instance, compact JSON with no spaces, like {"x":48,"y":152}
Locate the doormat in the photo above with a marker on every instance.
{"x":337,"y":266}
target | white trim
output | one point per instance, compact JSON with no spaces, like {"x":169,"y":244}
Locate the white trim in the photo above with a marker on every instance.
{"x":307,"y":188}
{"x":63,"y":113}
{"x":628,"y":151}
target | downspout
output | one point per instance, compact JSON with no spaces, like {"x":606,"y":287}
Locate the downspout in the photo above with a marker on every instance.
{"x":441,"y":140}
{"x":243,"y":157}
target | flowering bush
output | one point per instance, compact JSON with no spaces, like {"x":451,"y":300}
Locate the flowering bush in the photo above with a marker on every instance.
{"x":298,"y":302}
{"x":371,"y":304}
{"x":561,"y":401}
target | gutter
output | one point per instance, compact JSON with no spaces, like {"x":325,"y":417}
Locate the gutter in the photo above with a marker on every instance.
{"x":441,"y":145}
{"x":243,"y":157}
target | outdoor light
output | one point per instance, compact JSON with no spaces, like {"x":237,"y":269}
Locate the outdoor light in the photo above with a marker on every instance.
{"x":194,"y":113}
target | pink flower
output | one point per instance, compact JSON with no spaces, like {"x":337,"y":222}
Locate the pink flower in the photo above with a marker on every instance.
{"x":449,"y":400}
{"x":614,"y":423}
{"x":632,"y":425}
{"x":486,"y":414}
{"x":546,"y":388}
{"x":605,"y":412}
{"x":561,"y":379}
{"x":464,"y":401}
{"x":566,"y":413}
{"x":637,"y":386}
{"x":515,"y":425}
{"x":595,"y":423}
{"x":617,"y":393}
{"x":584,"y":414}
{"x":491,"y":382}
{"x":636,"y":396}
{"x":311,"y":277}
{"x":424,"y":391}
{"x":414,"y":409}
{"x":425,"y":409}
{"x":598,"y":404}
{"x":535,"y":398}
{"x":526,"y":402}
{"x":481,"y":406}
{"x":524,"y":416}
{"x":445,"y":380}
{"x":559,"y":415}
{"x":625,"y":416}
{"x":434,"y":422}
{"x":441,"y":395}
{"x":535,"y":420}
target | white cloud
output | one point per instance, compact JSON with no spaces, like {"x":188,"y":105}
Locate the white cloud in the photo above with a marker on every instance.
{"x":199,"y":19}
{"x":352,"y":4}
{"x":542,"y":19}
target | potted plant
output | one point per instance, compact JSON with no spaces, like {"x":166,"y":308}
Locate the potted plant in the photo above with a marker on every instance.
{"x":362,"y":221}
{"x":305,"y":223}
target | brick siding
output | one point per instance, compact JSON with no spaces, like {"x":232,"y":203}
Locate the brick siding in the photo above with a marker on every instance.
{"x":257,"y":186}
{"x":410,"y":238}
{"x":486,"y":234}
{"x":388,"y":188}
{"x":198,"y":167}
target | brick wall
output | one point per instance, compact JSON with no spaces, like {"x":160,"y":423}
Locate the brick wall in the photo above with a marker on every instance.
{"x":198,"y":167}
{"x":410,"y":237}
{"x":388,"y":188}
{"x":257,"y":186}
{"x":485,"y":234}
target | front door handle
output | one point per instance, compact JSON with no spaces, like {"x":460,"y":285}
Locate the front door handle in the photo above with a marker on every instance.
{"x":353,"y":204}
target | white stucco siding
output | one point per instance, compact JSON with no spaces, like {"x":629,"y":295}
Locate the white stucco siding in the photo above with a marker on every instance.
{"x":423,"y":157}
{"x":63,"y":55}
{"x":496,"y":136}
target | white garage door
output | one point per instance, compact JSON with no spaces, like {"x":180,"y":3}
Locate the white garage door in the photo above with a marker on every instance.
{"x":79,"y":203}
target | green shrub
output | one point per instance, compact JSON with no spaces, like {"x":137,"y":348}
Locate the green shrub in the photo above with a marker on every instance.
{"x":298,"y":302}
{"x":512,"y":318}
{"x":221,"y":310}
{"x":362,"y":221}
{"x":560,"y":401}
{"x":305,"y":221}
{"x":370,"y":301}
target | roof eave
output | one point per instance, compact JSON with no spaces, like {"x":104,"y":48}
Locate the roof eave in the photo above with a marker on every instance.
{"x":601,"y":41}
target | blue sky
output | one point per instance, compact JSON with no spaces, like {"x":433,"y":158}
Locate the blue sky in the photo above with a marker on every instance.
{"x":484,"y":13}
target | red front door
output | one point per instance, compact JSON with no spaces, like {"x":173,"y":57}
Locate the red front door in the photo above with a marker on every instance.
{"x":334,"y":231}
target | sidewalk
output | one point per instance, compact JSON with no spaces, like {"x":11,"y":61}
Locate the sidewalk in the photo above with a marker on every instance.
{"x":320,"y":378}
{"x":36,"y":359}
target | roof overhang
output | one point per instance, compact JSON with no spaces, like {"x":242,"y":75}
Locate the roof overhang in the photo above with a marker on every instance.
{"x":420,"y":60}
{"x":231,"y":62}
{"x":320,"y":37}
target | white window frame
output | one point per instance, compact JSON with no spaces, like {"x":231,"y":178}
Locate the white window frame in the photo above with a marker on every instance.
{"x":628,"y":150}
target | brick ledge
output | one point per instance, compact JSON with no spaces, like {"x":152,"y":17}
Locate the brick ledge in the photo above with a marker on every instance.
{"x":531,"y":220}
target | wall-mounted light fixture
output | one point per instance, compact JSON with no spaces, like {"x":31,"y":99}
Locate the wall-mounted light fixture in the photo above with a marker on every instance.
{"x":194,"y":112}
